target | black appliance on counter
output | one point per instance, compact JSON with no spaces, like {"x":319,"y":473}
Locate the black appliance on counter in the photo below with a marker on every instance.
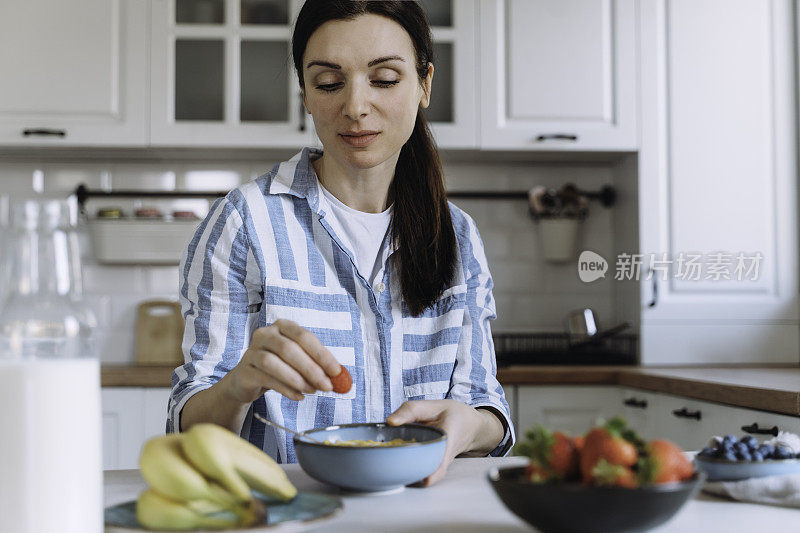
{"x":562,"y":349}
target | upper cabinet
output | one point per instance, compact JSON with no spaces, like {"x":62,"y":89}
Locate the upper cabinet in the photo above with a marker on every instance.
{"x":74,"y":73}
{"x":222,"y":74}
{"x":558,"y":75}
{"x":717,"y":182}
{"x":452,"y":112}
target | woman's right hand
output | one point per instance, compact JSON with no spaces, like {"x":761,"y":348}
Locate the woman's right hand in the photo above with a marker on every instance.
{"x":283,"y":357}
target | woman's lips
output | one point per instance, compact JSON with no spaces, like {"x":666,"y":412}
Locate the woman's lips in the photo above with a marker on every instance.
{"x":363,"y":140}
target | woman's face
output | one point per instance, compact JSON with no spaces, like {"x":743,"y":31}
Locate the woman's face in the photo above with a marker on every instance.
{"x":350,"y":86}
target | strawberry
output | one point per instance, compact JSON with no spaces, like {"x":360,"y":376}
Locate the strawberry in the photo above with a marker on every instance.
{"x":612,"y":442}
{"x":342,"y":382}
{"x":553,"y":455}
{"x":664,"y":462}
{"x":608,"y":474}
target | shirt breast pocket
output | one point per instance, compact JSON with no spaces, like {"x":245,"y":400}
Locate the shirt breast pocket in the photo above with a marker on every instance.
{"x":324,"y":311}
{"x":430,"y":345}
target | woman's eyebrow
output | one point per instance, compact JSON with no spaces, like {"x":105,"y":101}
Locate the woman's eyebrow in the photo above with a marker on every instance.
{"x":339,"y":67}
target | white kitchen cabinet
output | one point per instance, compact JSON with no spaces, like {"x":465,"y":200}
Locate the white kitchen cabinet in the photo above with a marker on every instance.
{"x":558,"y":75}
{"x":637,"y":408}
{"x":573,"y":409}
{"x":131,"y":415}
{"x":74,"y":73}
{"x":691,"y":433}
{"x":222,"y":75}
{"x":123,"y":427}
{"x":718,"y":178}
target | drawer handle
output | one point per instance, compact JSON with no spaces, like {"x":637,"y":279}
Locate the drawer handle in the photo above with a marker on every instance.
{"x":753,"y":428}
{"x":557,"y":136}
{"x":685,"y":413}
{"x":44,"y":132}
{"x":633,"y":402}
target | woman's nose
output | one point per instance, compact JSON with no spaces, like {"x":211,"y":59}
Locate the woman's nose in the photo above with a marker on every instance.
{"x":356,"y":103}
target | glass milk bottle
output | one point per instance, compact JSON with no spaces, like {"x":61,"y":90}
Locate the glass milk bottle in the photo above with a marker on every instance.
{"x":51,"y":476}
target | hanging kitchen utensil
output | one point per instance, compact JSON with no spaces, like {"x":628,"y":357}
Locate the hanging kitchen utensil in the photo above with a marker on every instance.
{"x":159,"y":333}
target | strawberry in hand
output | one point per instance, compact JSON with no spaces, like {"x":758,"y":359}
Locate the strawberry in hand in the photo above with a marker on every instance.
{"x":553,"y":455}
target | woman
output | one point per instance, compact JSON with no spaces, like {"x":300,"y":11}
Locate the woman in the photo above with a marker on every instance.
{"x":348,"y":255}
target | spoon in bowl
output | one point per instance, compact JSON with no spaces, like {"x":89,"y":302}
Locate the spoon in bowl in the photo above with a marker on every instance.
{"x":276,"y":425}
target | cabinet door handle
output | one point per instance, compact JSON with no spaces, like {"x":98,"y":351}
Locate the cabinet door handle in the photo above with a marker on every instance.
{"x":753,"y":428}
{"x":44,"y":132}
{"x":685,"y":413}
{"x":654,"y":301}
{"x":557,"y":136}
{"x":302,"y":117}
{"x":633,"y":402}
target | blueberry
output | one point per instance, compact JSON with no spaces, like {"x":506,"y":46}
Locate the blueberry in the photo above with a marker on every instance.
{"x":782,"y":452}
{"x":758,"y":456}
{"x":740,"y":448}
{"x":766,"y":450}
{"x":729,"y":455}
{"x":728,"y":439}
{"x":708,"y":451}
{"x":720,"y":453}
{"x":745,"y":456}
{"x":751,"y":442}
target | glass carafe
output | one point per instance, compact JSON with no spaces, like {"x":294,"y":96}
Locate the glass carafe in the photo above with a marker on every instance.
{"x":50,"y":443}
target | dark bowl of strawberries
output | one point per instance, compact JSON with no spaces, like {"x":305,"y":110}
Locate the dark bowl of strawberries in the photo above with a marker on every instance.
{"x":607,"y":480}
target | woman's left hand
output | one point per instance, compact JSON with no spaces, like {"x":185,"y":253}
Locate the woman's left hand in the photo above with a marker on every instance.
{"x":464,"y":426}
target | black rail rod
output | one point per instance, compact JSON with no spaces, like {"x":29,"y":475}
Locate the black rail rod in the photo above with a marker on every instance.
{"x":84,"y":193}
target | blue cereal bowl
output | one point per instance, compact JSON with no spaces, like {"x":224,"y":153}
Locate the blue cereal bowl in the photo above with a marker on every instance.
{"x":368,"y":468}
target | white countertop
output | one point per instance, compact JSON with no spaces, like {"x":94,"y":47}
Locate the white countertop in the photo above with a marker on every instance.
{"x":465,"y":502}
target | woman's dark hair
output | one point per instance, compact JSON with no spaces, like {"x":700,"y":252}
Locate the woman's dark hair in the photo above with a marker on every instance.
{"x":421,"y":225}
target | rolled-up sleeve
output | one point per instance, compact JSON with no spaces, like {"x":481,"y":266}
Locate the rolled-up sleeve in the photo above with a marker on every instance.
{"x":220,"y":294}
{"x":474,"y":378}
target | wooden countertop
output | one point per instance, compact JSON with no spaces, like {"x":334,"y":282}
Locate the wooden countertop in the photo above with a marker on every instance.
{"x":768,"y":388}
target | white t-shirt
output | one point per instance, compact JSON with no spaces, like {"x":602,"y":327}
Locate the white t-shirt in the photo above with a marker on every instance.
{"x":362,"y":232}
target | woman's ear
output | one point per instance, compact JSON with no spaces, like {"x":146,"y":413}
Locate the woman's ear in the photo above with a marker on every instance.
{"x":427,"y":83}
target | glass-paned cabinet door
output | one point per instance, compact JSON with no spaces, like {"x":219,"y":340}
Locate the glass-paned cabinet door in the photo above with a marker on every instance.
{"x":453,"y":108}
{"x":222,"y":75}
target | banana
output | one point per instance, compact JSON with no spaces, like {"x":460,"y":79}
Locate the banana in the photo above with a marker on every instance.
{"x":155,"y":511}
{"x":235,"y":463}
{"x":165,"y":469}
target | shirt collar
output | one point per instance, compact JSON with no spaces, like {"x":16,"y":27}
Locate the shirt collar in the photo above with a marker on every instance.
{"x":297,"y":177}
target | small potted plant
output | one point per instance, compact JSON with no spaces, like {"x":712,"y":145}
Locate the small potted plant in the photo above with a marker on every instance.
{"x":558,"y":214}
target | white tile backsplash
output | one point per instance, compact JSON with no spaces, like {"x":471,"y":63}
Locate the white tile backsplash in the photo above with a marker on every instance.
{"x":530,"y":293}
{"x":66,"y":177}
{"x":162,"y":280}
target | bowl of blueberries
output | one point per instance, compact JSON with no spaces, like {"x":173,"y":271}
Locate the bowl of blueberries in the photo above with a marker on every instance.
{"x":730,"y":459}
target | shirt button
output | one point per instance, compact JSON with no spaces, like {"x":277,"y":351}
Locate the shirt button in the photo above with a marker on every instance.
{"x":381,"y":287}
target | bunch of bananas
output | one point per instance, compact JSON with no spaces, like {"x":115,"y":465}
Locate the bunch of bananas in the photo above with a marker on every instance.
{"x":208,"y":469}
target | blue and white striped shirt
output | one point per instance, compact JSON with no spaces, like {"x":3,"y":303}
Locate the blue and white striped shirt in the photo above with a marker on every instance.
{"x":266,"y":251}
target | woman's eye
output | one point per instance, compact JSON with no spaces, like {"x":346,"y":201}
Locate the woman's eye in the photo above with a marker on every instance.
{"x":381,"y":83}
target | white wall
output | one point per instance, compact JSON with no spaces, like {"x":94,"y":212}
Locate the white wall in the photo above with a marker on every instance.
{"x":531,"y":294}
